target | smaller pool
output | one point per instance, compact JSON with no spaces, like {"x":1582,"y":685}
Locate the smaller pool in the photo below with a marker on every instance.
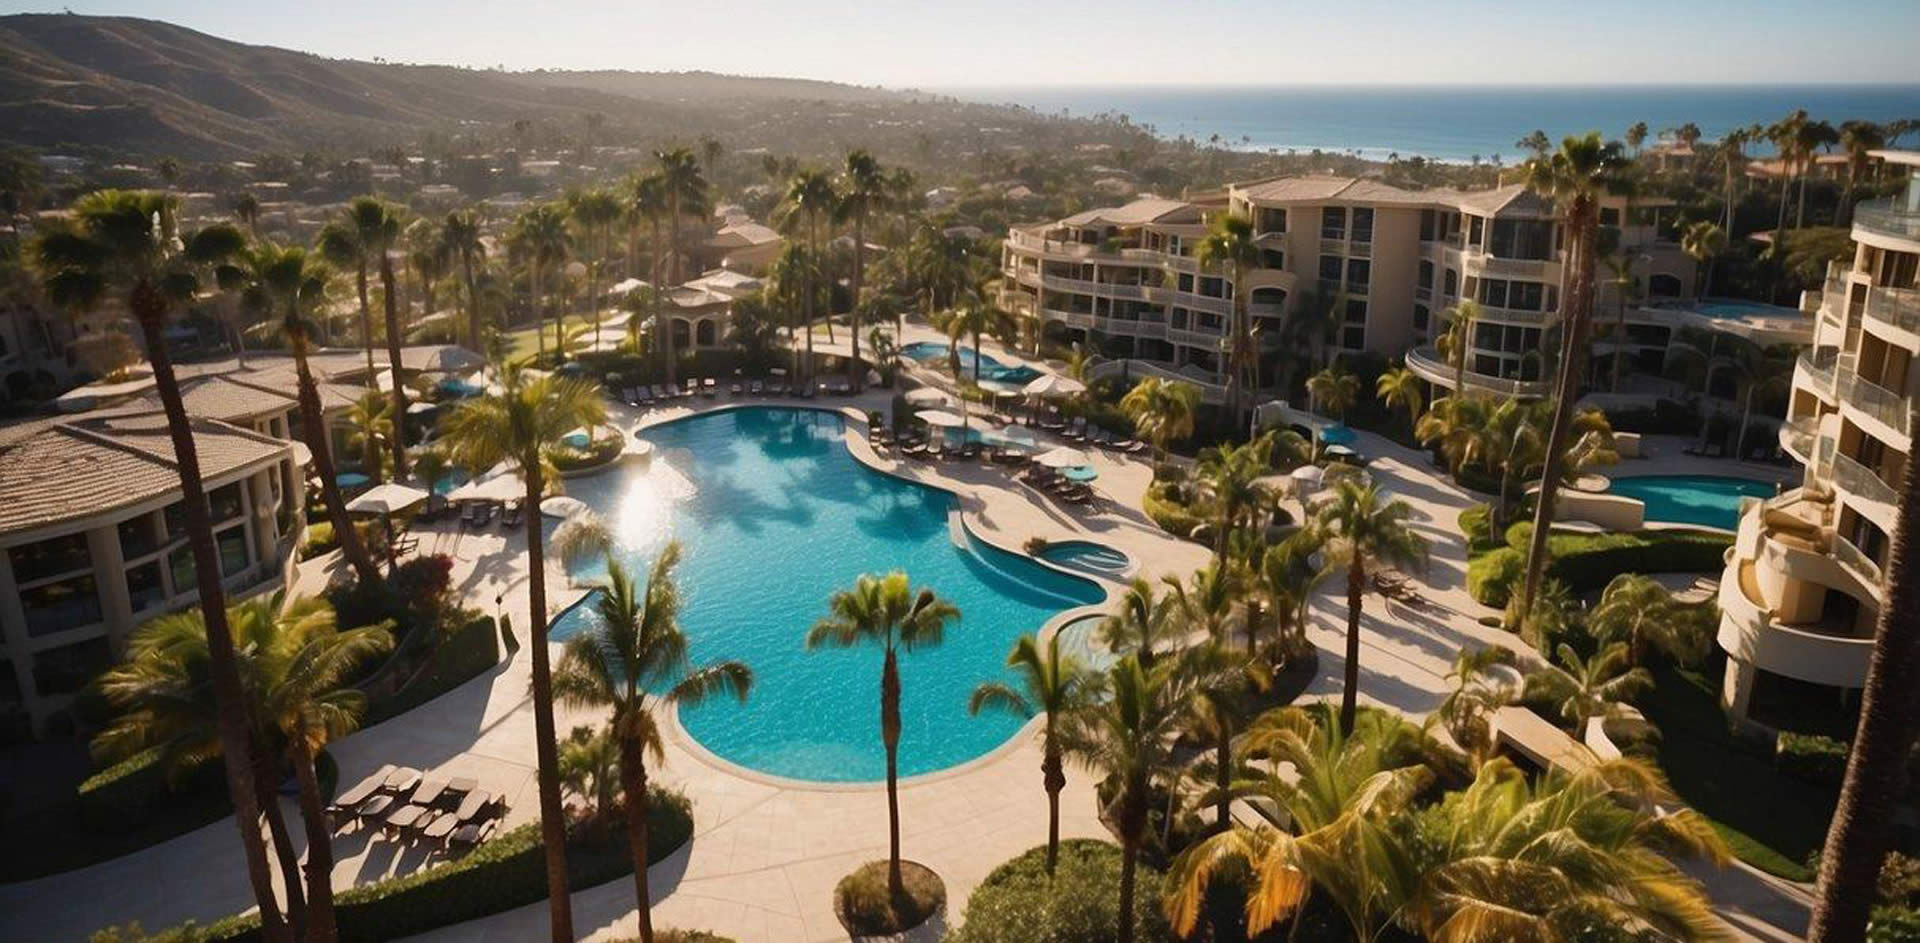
{"x":1736,"y":309}
{"x":1704,"y":500}
{"x":450,"y":481}
{"x":577,"y":440}
{"x":990,"y":369}
{"x":1087,"y":556}
{"x":1080,"y":639}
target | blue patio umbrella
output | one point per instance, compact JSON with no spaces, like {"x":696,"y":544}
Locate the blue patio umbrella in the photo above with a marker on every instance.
{"x":1337,"y":434}
{"x":1080,"y":473}
{"x":351,"y":480}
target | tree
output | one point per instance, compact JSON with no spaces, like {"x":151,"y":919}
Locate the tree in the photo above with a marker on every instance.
{"x":1636,"y":136}
{"x":1785,"y":136}
{"x":977,"y":314}
{"x":1732,"y":159}
{"x":1162,"y":411}
{"x":246,"y":209}
{"x":1399,"y":387}
{"x":524,"y":425}
{"x":1050,"y":683}
{"x":127,"y":246}
{"x":885,"y":611}
{"x":639,"y":646}
{"x":647,"y":203}
{"x":1456,"y":342}
{"x":684,"y":192}
{"x":594,"y":212}
{"x":292,"y":282}
{"x":1859,"y":139}
{"x":1363,"y":527}
{"x":1575,"y":178}
{"x":864,"y":190}
{"x":1637,"y":610}
{"x":370,"y":422}
{"x":1703,"y":242}
{"x":1626,"y":289}
{"x":810,"y":199}
{"x":541,"y":236}
{"x":1584,"y":688}
{"x":1285,"y":579}
{"x":1473,"y":698}
{"x":1872,"y":790}
{"x":429,"y":257}
{"x":1128,"y":737}
{"x":355,"y":242}
{"x":1140,"y":625}
{"x":1229,"y":244}
{"x":590,"y":769}
{"x":461,"y":234}
{"x":1334,"y":391}
{"x":1229,"y":476}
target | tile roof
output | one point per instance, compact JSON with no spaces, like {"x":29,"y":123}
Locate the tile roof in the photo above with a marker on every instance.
{"x":1137,"y":213}
{"x":53,"y":471}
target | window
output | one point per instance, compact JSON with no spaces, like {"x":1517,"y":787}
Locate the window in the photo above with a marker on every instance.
{"x":1273,"y":258}
{"x":50,"y":557}
{"x":180,"y":563}
{"x":1333,"y":222}
{"x":1429,"y":225}
{"x":61,"y":605}
{"x":138,"y":536}
{"x":1609,"y":216}
{"x":1452,"y":285}
{"x":1359,"y":272}
{"x":1526,"y":296}
{"x":1186,"y":282}
{"x":1273,"y":220}
{"x":1476,"y":229}
{"x":232,"y":544}
{"x":1421,"y":315}
{"x":1356,"y":311}
{"x":1353,"y":337}
{"x":68,"y":668}
{"x":1426,"y":273}
{"x":1493,"y":292}
{"x":1521,"y":239}
{"x":144,"y":586}
{"x":1330,"y":268}
{"x":1362,"y":224}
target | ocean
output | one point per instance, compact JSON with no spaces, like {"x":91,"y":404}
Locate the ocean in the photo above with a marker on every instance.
{"x":1452,"y":123}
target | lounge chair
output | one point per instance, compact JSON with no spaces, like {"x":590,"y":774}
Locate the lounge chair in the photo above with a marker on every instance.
{"x":709,"y":388}
{"x":469,"y":513}
{"x":472,"y":805}
{"x":733,"y":389}
{"x":510,"y":518}
{"x":756,"y":388}
{"x":343,"y":804}
{"x":777,"y":388}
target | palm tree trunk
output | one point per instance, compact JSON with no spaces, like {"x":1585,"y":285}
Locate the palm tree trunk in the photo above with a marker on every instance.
{"x":473,"y":303}
{"x":633,"y":780}
{"x":661,"y":322}
{"x":553,"y":815}
{"x":321,"y":926}
{"x":1579,"y":304}
{"x":264,"y":779}
{"x":539,"y":312}
{"x":673,"y":265}
{"x":1872,"y":789}
{"x":313,"y":424}
{"x":366,"y":318}
{"x":1129,"y":864}
{"x":890,"y":734}
{"x":854,"y":374}
{"x":1053,"y":778}
{"x":1356,"y":591}
{"x":149,"y":309}
{"x":814,"y":267}
{"x":393,"y":360}
{"x":1223,"y":779}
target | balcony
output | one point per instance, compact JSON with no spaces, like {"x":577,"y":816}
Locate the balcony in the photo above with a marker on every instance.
{"x":1515,"y":315}
{"x":1333,"y":245}
{"x":1888,"y":218}
{"x":1877,"y":501}
{"x":1855,"y":561}
{"x":1797,"y":438}
{"x":1750,"y":633}
{"x":1815,"y":370}
{"x":1880,"y":404}
{"x":1206,"y":340}
{"x":1429,"y":365}
{"x":1423,"y":294}
{"x":1897,"y":308}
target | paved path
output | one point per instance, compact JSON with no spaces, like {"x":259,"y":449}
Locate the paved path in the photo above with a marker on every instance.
{"x":766,"y":853}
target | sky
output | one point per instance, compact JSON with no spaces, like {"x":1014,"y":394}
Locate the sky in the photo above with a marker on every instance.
{"x":1022,"y":43}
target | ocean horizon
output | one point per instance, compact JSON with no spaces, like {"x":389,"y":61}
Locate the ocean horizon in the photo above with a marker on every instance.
{"x":1447,"y":122}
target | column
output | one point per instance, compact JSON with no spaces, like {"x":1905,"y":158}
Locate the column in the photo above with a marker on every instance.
{"x":110,"y":576}
{"x":1736,"y":689}
{"x":13,"y":628}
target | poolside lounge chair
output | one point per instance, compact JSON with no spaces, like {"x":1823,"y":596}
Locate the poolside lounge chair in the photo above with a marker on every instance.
{"x":709,"y":388}
{"x":344,"y":803}
{"x":733,"y":389}
{"x":473,"y":804}
{"x":469,"y":513}
{"x":756,"y":388}
{"x":777,"y":388}
{"x":510,"y":518}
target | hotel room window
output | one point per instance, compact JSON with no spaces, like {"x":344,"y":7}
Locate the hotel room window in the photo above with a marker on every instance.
{"x":1426,"y":273}
{"x":1359,"y":274}
{"x":1476,"y":231}
{"x":1356,"y":311}
{"x":61,"y":605}
{"x":1429,"y":225}
{"x":68,"y":668}
{"x":1362,"y":224}
{"x":1526,"y":296}
{"x":1452,"y":284}
{"x":1273,"y":220}
{"x":50,"y":557}
{"x":1421,"y":317}
{"x":1354,"y":337}
{"x":1333,"y":222}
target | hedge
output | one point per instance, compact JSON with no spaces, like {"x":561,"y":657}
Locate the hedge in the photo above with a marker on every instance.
{"x":1476,"y":526}
{"x":1174,"y":518}
{"x":1586,"y":562}
{"x":504,"y":872}
{"x":1490,"y":576}
{"x":1018,"y":904}
{"x":1811,"y":757}
{"x":463,"y":655}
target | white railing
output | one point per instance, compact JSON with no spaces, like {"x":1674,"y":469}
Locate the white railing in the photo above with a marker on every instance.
{"x":1333,"y":246}
{"x":1895,"y":307}
{"x":1360,"y":250}
{"x":1515,"y":315}
{"x":1877,"y":401}
{"x":1193,"y":301}
{"x":1797,"y":438}
{"x":1426,"y":362}
{"x":1818,"y":367}
{"x":1209,"y":340}
{"x":1850,"y":557}
{"x":1848,"y":473}
{"x":1423,"y":294}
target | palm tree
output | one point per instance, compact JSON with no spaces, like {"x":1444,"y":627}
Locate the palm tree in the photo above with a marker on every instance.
{"x":1457,"y":341}
{"x":524,"y":425}
{"x":428,"y":257}
{"x":1128,"y":737}
{"x":1639,"y":611}
{"x":683,"y":192}
{"x":1584,"y":688}
{"x":1858,"y":139}
{"x":638,"y":646}
{"x":1626,"y":289}
{"x":1140,"y":625}
{"x":1284,"y":580}
{"x":590,"y":768}
{"x":595,"y":212}
{"x":1162,"y":412}
{"x":1055,"y":685}
{"x":647,"y":202}
{"x":371,"y":423}
{"x":461,"y":235}
{"x":884,"y":611}
{"x":1473,"y":698}
{"x":246,"y":209}
{"x":1575,"y":178}
{"x":1229,"y":477}
{"x":809,"y":200}
{"x":355,"y":242}
{"x":1636,"y":136}
{"x":542,"y":237}
{"x":1703,"y":242}
{"x":1400,"y":387}
{"x":126,"y":245}
{"x":291,"y":281}
{"x":1876,"y":766}
{"x":1785,"y":135}
{"x":1732,"y":160}
{"x":1334,"y":391}
{"x":1217,"y":681}
{"x":1363,"y":527}
{"x":864,"y":190}
{"x":1229,"y":244}
{"x":977,"y":314}
{"x":1810,"y":136}
{"x":1206,"y":602}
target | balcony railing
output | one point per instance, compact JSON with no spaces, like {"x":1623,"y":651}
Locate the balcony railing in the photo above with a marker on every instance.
{"x":1428,"y":363}
{"x":1877,"y":401}
{"x":1850,"y":557}
{"x":1885,"y":216}
{"x":1423,"y":294}
{"x":1848,"y":473}
{"x":1818,"y":367}
{"x":1797,"y":437}
{"x":1896,"y":307}
{"x":1360,"y":248}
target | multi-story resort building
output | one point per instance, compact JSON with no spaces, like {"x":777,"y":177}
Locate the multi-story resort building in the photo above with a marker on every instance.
{"x":1807,"y":576}
{"x":1385,"y":262}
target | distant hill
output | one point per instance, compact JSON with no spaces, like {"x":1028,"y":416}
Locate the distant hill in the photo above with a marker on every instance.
{"x":148,"y":87}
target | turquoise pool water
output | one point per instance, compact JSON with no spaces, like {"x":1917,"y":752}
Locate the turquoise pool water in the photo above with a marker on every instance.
{"x":1080,"y":639}
{"x":774,"y":515}
{"x":990,"y":369}
{"x":1706,"y":500}
{"x":1743,"y":310}
{"x":1086,"y":555}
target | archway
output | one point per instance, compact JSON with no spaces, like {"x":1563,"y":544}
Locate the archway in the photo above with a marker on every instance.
{"x":1663,"y":285}
{"x":703,"y":333}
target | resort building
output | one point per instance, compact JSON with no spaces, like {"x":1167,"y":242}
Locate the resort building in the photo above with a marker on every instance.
{"x":1383,"y":263}
{"x":1807,"y":576}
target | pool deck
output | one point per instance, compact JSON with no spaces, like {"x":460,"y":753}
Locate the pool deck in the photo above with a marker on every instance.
{"x":766,"y":853}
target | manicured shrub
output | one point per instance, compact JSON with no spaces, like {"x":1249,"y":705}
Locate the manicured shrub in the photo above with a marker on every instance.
{"x":1811,"y":757}
{"x":866,"y":908}
{"x":1081,"y":904}
{"x":320,"y":538}
{"x":460,"y":657}
{"x":130,"y":792}
{"x":1477,"y":527}
{"x":1893,"y":924}
{"x":1587,"y":562}
{"x":1492,"y":575}
{"x":1163,"y":509}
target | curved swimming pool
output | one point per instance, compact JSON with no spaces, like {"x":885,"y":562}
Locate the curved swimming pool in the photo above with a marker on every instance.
{"x":1087,"y":556}
{"x":774,"y":515}
{"x":990,"y":368}
{"x":1705,"y":500}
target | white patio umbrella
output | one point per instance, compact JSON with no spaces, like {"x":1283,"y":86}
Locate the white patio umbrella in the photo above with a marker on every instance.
{"x":1063,"y":457}
{"x":1309,"y":474}
{"x":389,"y":498}
{"x":939,"y":418}
{"x":1054,"y":384}
{"x":562,"y":507}
{"x":450,"y":358}
{"x":505,"y":486}
{"x":927,"y":396}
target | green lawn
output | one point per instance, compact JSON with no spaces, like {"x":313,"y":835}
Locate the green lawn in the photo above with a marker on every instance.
{"x":1770,"y":820}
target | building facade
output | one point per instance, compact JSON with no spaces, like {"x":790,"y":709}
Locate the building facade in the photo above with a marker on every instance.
{"x":1807,"y":576}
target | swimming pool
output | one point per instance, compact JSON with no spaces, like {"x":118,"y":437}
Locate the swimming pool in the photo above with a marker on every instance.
{"x":1706,"y":500}
{"x":1744,"y":310}
{"x":990,"y":369}
{"x":1087,"y":556}
{"x":1080,"y":639}
{"x":774,"y":515}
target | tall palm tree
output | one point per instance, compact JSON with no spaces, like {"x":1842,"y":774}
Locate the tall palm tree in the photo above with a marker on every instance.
{"x":1876,"y":766}
{"x":1285,"y":579}
{"x":595,"y":212}
{"x":525,"y":425}
{"x":1218,"y":681}
{"x":1229,"y":476}
{"x":684,"y":190}
{"x":1207,"y":601}
{"x":647,"y":203}
{"x":542,"y":237}
{"x":1399,"y":387}
{"x":1637,"y":610}
{"x":1732,"y":158}
{"x":1457,"y":341}
{"x":1809,"y":137}
{"x":429,"y":257}
{"x":810,"y":200}
{"x":885,"y":611}
{"x":1363,"y":527}
{"x":1626,"y":289}
{"x":1140,"y":625}
{"x":638,"y":646}
{"x":1334,"y":391}
{"x":864,"y":190}
{"x":246,"y":209}
{"x":291,"y":282}
{"x":1703,"y":242}
{"x":1585,"y":688}
{"x":126,"y":245}
{"x":1473,"y":697}
{"x":1052,"y":684}
{"x":1162,"y":411}
{"x":1575,"y":177}
{"x":1229,"y":244}
{"x":356,"y":242}
{"x":461,"y":235}
{"x":976,"y":315}
{"x":370,"y":421}
{"x":1785,"y":135}
{"x":1128,"y":737}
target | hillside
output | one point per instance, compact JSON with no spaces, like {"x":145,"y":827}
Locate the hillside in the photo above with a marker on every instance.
{"x":147,"y":87}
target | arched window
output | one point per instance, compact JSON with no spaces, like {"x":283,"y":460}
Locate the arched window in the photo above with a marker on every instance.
{"x":703,"y":333}
{"x":1662,"y":285}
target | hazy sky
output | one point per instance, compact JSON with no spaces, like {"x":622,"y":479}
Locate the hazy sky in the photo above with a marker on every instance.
{"x":927,"y":43}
